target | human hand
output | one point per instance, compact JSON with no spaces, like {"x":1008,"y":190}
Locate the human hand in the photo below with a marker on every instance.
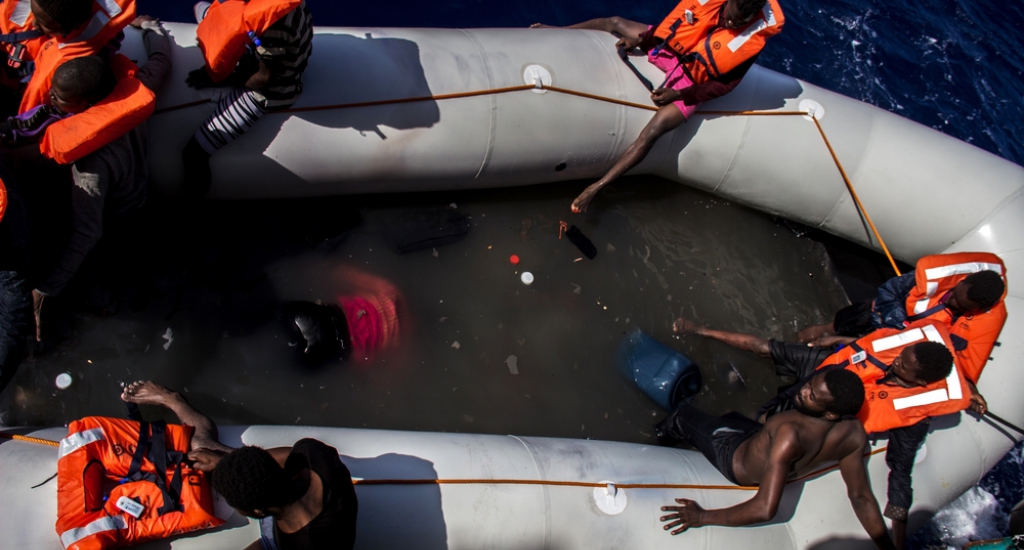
{"x":138,"y":21}
{"x":978,"y":403}
{"x":663,"y":96}
{"x":628,"y":43}
{"x":204,"y":460}
{"x":684,"y":516}
{"x":199,"y":79}
{"x":37,"y":312}
{"x":686,"y":326}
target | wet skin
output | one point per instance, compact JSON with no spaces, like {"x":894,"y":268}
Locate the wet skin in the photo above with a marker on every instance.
{"x":790,"y":445}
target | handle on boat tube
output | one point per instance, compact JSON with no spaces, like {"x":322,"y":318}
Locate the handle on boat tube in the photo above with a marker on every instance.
{"x":1004,"y":422}
{"x":624,"y":56}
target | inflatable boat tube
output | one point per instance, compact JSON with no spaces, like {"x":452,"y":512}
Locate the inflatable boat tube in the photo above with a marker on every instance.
{"x":925,"y":191}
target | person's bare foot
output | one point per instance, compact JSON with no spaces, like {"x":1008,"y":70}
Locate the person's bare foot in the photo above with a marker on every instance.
{"x":144,"y":392}
{"x":542,"y":26}
{"x":686,"y":326}
{"x":583,"y":201}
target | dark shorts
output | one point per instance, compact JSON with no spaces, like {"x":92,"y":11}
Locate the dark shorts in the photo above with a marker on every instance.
{"x":716,"y":437}
{"x":795,"y":359}
{"x":853,"y":320}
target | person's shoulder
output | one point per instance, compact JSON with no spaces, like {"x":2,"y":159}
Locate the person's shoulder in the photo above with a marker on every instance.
{"x":851,"y":432}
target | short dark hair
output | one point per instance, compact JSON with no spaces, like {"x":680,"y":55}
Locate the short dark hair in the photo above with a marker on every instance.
{"x":750,"y":7}
{"x":250,"y":479}
{"x":934,"y":361}
{"x":90,"y":78}
{"x":69,"y":14}
{"x":847,"y":391}
{"x":985,"y":288}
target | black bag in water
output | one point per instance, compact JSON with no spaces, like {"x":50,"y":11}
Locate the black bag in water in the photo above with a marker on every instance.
{"x":422,"y":229}
{"x":665,"y":375}
{"x":581,"y":241}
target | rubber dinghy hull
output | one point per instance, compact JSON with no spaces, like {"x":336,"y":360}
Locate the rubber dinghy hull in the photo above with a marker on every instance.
{"x":925,"y":191}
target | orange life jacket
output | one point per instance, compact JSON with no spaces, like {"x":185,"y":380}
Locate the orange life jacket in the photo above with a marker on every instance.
{"x":3,"y":199}
{"x":21,"y":41}
{"x":891,"y":406}
{"x":707,"y":49}
{"x":103,"y":460}
{"x":973,"y":335}
{"x":109,"y":18}
{"x":224,"y":33}
{"x":129,"y":105}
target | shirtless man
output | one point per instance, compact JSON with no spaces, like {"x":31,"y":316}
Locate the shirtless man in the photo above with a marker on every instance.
{"x":789,"y":445}
{"x":302,"y":495}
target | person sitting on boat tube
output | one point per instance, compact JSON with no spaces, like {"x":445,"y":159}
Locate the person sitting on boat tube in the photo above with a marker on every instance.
{"x":258,"y":47}
{"x":110,"y":184}
{"x":820,"y":429}
{"x":704,"y":48}
{"x":302,"y":495}
{"x":911,"y":377}
{"x":964,"y":291}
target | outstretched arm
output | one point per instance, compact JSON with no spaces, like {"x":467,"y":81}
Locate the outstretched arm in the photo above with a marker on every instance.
{"x":145,"y":392}
{"x":863,"y":500}
{"x":784,"y":452}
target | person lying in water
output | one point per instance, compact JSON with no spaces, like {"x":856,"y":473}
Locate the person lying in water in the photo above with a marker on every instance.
{"x":302,"y":495}
{"x":687,"y":47}
{"x":912,"y":378}
{"x":789,"y":445}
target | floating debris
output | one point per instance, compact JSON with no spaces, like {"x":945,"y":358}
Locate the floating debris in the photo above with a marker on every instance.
{"x":735,"y":376}
{"x":611,"y":248}
{"x":578,"y":288}
{"x":64,"y":381}
{"x":169,"y":336}
{"x":435,"y":252}
{"x":456,"y":344}
{"x":513,"y":364}
{"x":527,"y":278}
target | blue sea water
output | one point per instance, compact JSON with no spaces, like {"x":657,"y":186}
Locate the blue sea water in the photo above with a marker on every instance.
{"x":954,"y":65}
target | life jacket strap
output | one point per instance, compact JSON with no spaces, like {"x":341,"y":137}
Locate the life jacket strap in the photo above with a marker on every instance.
{"x":151,"y":444}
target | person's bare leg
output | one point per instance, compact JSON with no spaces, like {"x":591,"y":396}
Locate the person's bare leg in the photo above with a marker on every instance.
{"x":144,"y":392}
{"x":615,"y":25}
{"x":667,"y":118}
{"x":813,"y":332}
{"x":738,"y":340}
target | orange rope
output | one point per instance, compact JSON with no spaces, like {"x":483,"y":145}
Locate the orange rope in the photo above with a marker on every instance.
{"x":30,"y":439}
{"x":477,"y":93}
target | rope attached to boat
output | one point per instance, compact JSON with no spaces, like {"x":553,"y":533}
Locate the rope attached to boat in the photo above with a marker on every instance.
{"x":539,"y":86}
{"x":543,"y":482}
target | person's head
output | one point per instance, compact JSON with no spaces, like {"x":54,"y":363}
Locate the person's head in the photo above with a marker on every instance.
{"x":831,"y":395}
{"x":740,"y":12}
{"x":252,"y":482}
{"x":60,"y":17}
{"x":318,"y":332}
{"x":80,"y":83}
{"x":976,"y":293}
{"x":922,"y":364}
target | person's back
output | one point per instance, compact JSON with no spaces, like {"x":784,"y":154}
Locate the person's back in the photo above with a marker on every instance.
{"x":816,"y":442}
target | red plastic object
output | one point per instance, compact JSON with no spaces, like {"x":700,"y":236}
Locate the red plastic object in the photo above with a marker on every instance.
{"x":513,"y":259}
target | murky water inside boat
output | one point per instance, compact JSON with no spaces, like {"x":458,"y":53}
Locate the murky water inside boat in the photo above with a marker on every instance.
{"x":479,"y":350}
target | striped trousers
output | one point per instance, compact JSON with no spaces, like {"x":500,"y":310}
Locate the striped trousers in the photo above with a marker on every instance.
{"x":235,"y":114}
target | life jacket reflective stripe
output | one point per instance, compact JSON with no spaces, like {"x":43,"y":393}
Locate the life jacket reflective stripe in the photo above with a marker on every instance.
{"x":707,"y":49}
{"x":102,"y":460}
{"x":21,"y":41}
{"x":891,"y":406}
{"x":109,"y":18}
{"x":129,"y":105}
{"x":975,"y":335}
{"x":223,"y":35}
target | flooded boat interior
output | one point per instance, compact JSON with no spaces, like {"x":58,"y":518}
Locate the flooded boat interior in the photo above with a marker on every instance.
{"x":193,"y":302}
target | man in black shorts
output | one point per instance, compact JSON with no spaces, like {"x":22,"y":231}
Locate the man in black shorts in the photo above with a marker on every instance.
{"x":302,"y":495}
{"x":789,"y":445}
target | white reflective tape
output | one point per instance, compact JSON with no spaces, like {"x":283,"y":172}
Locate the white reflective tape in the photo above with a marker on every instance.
{"x":96,"y":24}
{"x":109,"y":523}
{"x":110,"y":6}
{"x":921,"y":399}
{"x":897,"y":340}
{"x":768,"y":21}
{"x":921,"y":306}
{"x":961,"y":269}
{"x":21,"y":12}
{"x":78,"y":440}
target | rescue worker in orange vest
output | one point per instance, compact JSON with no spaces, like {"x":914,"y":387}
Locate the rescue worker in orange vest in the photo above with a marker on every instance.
{"x":704,"y":49}
{"x":916,"y":368}
{"x":303,"y":495}
{"x":109,"y":185}
{"x":964,"y":290}
{"x":265,"y":77}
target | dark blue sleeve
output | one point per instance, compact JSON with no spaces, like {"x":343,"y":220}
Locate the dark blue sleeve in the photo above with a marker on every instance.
{"x":903,"y":446}
{"x":890,"y":302}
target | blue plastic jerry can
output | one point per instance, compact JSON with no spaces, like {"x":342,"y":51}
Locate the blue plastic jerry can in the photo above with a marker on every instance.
{"x":665,"y":375}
